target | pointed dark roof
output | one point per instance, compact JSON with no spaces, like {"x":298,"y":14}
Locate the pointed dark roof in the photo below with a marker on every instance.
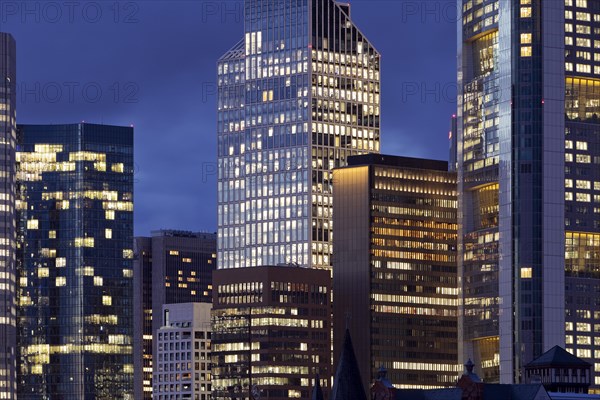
{"x":317,"y":393}
{"x":347,"y":384}
{"x":558,"y":357}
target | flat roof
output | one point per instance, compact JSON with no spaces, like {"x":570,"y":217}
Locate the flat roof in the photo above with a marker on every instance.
{"x":397,"y":161}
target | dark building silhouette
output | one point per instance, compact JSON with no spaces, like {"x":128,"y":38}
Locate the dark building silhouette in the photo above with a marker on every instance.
{"x":347,"y":382}
{"x":170,"y":267}
{"x":394,"y":279}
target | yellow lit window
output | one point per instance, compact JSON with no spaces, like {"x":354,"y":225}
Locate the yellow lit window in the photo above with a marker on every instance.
{"x":525,"y":12}
{"x":61,"y":281}
{"x":110,"y":214}
{"x":526,"y":51}
{"x":61,"y":262}
{"x":108,"y":233}
{"x":525,"y":38}
{"x":526,"y":273}
{"x":117,"y":167}
{"x":173,"y":253}
{"x":43,"y":272}
{"x":32,"y":224}
{"x":127,"y":253}
{"x":84,"y":242}
{"x":52,"y":234}
{"x":107,"y":300}
{"x":128,"y":273}
{"x":98,"y":281}
{"x":186,"y":260}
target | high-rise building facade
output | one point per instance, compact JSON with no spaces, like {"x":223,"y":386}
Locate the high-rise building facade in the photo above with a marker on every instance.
{"x":182,"y":369}
{"x":528,"y":111}
{"x":394,"y":281}
{"x":8,"y":115}
{"x":170,"y":267}
{"x":271,"y":332}
{"x":142,"y":317}
{"x":75,"y":273}
{"x":582,"y":182}
{"x":296,"y":96}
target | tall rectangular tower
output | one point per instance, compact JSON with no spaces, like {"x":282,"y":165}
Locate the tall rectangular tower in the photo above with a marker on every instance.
{"x":394,"y":282}
{"x":511,"y":127}
{"x":75,"y":273}
{"x":297,"y":95}
{"x":8,"y":115}
{"x":170,"y":267}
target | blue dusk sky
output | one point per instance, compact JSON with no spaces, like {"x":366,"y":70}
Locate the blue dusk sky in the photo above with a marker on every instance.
{"x":152,"y":64}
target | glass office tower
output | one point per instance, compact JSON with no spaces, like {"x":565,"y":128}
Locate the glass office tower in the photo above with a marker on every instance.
{"x":8,"y":115}
{"x":75,"y":253}
{"x":529,"y":79}
{"x":297,"y":95}
{"x":511,"y":129}
{"x":582,"y":182}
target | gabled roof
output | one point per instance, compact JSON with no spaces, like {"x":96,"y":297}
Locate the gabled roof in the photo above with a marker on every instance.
{"x":347,"y":384}
{"x":558,"y":357}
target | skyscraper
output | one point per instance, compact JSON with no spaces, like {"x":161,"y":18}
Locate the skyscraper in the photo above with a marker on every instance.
{"x":271,"y":332}
{"x":527,"y":155}
{"x":8,"y":115}
{"x":297,"y":95}
{"x":394,"y":280}
{"x":75,"y":252}
{"x":169,"y":267}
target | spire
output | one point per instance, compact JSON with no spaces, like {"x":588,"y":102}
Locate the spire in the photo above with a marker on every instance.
{"x":347,"y":384}
{"x":469,"y":366}
{"x":317,"y":393}
{"x":382,"y":377}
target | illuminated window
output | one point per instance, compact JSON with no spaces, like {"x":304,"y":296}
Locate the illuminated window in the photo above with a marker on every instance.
{"x":525,"y":12}
{"x":118,"y":167}
{"x":525,"y":38}
{"x":52,"y":234}
{"x":98,"y":281}
{"x":526,"y":51}
{"x":61,"y":262}
{"x":173,"y":253}
{"x":61,"y":281}
{"x":106,"y":300}
{"x":127,"y":253}
{"x":110,"y":214}
{"x":526,"y":273}
{"x":108,"y":233}
{"x":32,"y":224}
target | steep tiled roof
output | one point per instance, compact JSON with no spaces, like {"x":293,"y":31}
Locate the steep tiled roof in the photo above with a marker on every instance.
{"x":347,"y":384}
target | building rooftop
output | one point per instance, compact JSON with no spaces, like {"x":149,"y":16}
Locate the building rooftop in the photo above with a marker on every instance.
{"x":397,"y":161}
{"x":557,"y":356}
{"x":178,"y":233}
